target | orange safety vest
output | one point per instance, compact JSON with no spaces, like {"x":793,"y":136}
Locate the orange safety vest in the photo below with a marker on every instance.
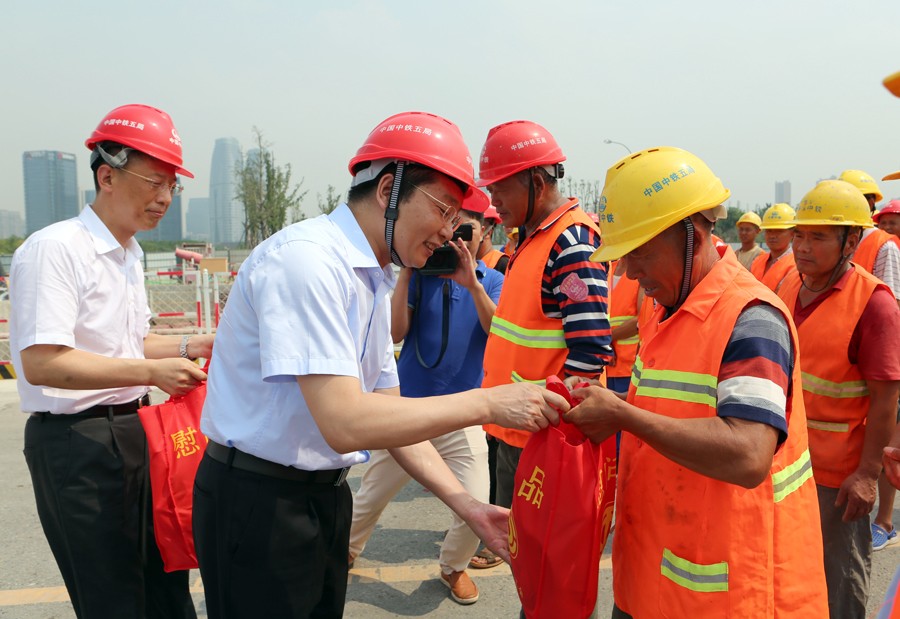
{"x":776,"y":273}
{"x":867,"y":250}
{"x":524,"y":345}
{"x":834,"y":391}
{"x":622,"y":308}
{"x":492,"y":257}
{"x":691,"y":546}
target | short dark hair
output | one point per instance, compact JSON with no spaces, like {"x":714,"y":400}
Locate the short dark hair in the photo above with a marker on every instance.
{"x":413,"y":174}
{"x":479,"y":217}
{"x":112,"y":149}
{"x":525,"y":175}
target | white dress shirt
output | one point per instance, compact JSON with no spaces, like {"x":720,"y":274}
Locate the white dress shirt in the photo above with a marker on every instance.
{"x":72,"y":284}
{"x":310,"y":300}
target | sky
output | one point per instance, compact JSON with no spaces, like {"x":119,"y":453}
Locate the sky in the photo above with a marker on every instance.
{"x":761,"y":91}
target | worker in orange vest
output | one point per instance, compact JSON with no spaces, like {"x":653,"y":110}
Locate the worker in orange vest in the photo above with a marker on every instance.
{"x":493,"y":258}
{"x":849,"y":328}
{"x":773,"y":266}
{"x":552,"y":316}
{"x":716,"y":506}
{"x":878,"y":251}
{"x":625,"y":297}
{"x":879,"y":254}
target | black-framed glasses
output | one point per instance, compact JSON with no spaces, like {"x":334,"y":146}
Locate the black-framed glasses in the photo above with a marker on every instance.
{"x":447,"y":212}
{"x":174,"y":189}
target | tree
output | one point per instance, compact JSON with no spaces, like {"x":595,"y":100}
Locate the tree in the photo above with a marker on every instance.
{"x":330,"y":202}
{"x":266,"y":192}
{"x":587,"y":192}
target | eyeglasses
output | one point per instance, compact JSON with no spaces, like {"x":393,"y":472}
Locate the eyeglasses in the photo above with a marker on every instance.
{"x":447,"y":212}
{"x":174,"y":189}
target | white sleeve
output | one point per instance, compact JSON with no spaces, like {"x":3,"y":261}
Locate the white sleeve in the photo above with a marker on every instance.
{"x":887,"y":267}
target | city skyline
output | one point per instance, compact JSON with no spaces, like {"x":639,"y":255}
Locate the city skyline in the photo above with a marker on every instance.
{"x":759,"y":91}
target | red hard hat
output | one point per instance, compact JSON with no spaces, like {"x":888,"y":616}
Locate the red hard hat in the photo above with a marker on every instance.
{"x":143,"y":128}
{"x":513,"y":147}
{"x":420,"y":137}
{"x":892,"y":207}
{"x":491,"y":214}
{"x":476,"y":201}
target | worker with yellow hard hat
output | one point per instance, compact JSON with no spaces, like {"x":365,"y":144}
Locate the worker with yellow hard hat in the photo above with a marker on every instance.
{"x":748,"y":227}
{"x":773,"y":266}
{"x":878,"y":252}
{"x":849,"y":329}
{"x":714,"y":441}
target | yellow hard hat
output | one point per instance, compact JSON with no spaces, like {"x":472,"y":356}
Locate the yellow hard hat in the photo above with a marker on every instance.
{"x":833,"y":203}
{"x":862,"y":181}
{"x":892,"y":83}
{"x":750,"y":218}
{"x":649,"y":191}
{"x":778,"y":217}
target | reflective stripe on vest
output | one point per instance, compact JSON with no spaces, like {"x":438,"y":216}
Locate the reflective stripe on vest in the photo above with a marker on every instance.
{"x":674,"y":385}
{"x":517,"y":378}
{"x":528,"y":338}
{"x":693,"y":576}
{"x":791,"y":477}
{"x":829,"y":389}
{"x":827,"y":426}
{"x":615,"y":321}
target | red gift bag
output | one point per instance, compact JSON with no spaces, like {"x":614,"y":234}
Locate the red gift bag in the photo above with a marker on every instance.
{"x":561,"y":515}
{"x":176,"y":447}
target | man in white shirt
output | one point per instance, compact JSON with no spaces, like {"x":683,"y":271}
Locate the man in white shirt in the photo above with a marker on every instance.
{"x":79,"y":335}
{"x":310,"y":307}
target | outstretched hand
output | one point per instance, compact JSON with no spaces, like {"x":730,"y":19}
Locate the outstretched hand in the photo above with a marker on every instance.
{"x":525,"y":406}
{"x":594,"y":415}
{"x":491,"y":524}
{"x":176,"y":376}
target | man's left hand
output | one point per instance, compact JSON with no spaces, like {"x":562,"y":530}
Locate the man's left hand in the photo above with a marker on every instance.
{"x":491,"y":524}
{"x":595,"y":414}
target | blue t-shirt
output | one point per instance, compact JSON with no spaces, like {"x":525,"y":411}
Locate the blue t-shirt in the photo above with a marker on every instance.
{"x":462,"y":366}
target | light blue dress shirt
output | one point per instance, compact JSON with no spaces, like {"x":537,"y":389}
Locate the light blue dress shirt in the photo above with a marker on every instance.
{"x":311,"y":299}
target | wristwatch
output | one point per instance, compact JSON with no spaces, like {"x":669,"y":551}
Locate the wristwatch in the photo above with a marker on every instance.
{"x":182,"y":350}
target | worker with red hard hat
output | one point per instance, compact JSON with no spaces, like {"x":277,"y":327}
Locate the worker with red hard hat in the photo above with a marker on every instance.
{"x":303,"y":382}
{"x":79,"y":334}
{"x":552,"y":316}
{"x":888,"y":218}
{"x":494,"y":258}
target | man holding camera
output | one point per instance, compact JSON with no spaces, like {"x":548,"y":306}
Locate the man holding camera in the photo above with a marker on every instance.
{"x":452,"y":292}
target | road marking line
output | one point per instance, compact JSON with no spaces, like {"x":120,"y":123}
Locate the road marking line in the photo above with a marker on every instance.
{"x":358,"y":576}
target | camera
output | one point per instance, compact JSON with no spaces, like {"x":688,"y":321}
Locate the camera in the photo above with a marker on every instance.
{"x":443,"y":261}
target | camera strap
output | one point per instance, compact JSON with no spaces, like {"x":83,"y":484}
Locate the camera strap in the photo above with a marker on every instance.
{"x":445,"y":322}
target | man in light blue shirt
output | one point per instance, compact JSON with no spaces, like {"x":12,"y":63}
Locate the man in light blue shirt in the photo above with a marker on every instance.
{"x":310,"y":307}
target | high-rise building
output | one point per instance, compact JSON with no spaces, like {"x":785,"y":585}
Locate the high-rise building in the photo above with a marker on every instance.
{"x":11,"y":224}
{"x":782,"y":192}
{"x":226,"y":223}
{"x":89,"y":195}
{"x":51,"y":188}
{"x":169,"y":228}
{"x":196,"y":221}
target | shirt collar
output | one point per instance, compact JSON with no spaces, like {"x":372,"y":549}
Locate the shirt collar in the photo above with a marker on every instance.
{"x":359,"y":252}
{"x":559,"y":212}
{"x":104,"y":241}
{"x":480,"y":269}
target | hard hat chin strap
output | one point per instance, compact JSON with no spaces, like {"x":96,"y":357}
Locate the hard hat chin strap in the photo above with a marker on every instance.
{"x":688,"y":262}
{"x":116,"y":161}
{"x":392,"y":212}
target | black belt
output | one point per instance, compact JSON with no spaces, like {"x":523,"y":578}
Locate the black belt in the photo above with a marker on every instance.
{"x":235,"y":458}
{"x":101,"y":410}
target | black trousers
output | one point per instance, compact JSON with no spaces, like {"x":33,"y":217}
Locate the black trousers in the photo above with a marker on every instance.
{"x":91,"y":487}
{"x":270,"y":547}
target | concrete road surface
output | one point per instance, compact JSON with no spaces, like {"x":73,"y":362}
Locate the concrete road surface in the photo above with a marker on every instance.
{"x":396,"y":576}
